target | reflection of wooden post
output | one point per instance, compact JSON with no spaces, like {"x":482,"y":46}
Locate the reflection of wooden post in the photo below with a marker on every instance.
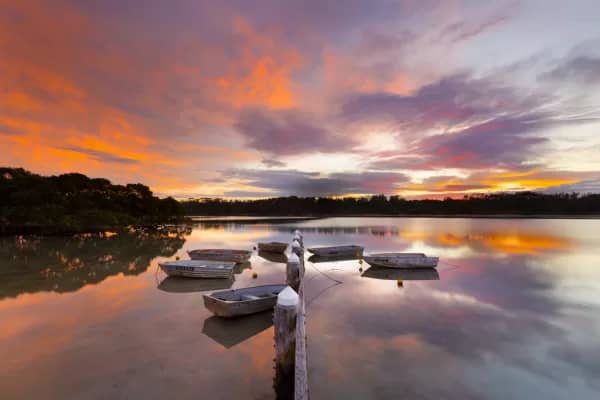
{"x":296,"y":247}
{"x":298,"y":237}
{"x":293,"y":271}
{"x":284,"y":318}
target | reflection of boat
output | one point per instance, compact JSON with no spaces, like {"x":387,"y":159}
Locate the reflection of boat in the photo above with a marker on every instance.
{"x":401,"y":260}
{"x":420,"y":274}
{"x":240,"y":267}
{"x":231,"y":331}
{"x":232,"y":303}
{"x":198,"y":269}
{"x":176,"y":284}
{"x":337,"y":250}
{"x":342,"y":257}
{"x":273,"y":257}
{"x":273,"y":247}
{"x":220,"y":255}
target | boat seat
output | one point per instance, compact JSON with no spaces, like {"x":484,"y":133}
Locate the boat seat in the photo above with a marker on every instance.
{"x":249,"y":297}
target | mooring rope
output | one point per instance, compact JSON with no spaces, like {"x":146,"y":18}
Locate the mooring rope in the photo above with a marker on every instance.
{"x":335,"y":282}
{"x":325,"y":275}
{"x":454,"y":266}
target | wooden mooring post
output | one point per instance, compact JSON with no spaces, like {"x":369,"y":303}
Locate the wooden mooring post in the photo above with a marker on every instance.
{"x":292,"y":271}
{"x":291,"y":377}
{"x":284,"y":318}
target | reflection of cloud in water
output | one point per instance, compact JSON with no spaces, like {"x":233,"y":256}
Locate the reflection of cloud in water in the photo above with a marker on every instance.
{"x":218,"y":236}
{"x":492,"y":314}
{"x":500,"y":238}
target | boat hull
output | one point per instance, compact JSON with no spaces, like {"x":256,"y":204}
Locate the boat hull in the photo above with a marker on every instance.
{"x":402,"y":262}
{"x":238,"y":256}
{"x":337,"y":251}
{"x":272,"y":247}
{"x":197,"y":270}
{"x":235,"y":303}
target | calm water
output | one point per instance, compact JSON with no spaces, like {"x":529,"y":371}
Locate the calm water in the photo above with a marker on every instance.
{"x":513,"y":312}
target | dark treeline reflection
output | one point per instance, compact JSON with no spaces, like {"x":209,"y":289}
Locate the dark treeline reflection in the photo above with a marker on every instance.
{"x":524,"y":203}
{"x":32,"y":264}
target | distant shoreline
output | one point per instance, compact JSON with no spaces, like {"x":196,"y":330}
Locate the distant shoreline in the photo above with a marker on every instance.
{"x":264,"y":218}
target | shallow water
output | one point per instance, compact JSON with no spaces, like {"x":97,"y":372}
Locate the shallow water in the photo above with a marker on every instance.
{"x":513,"y":312}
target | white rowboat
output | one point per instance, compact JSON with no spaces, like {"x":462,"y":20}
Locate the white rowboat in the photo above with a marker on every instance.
{"x":237,"y":256}
{"x":401,"y":260}
{"x":349,"y":250}
{"x":250,"y":300}
{"x":198,"y":269}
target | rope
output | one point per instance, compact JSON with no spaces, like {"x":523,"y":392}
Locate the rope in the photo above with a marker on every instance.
{"x":322,"y":291}
{"x":454,"y":266}
{"x":335,"y":282}
{"x":325,"y":275}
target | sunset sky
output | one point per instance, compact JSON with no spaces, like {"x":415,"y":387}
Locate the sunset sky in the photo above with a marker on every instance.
{"x":246,"y":99}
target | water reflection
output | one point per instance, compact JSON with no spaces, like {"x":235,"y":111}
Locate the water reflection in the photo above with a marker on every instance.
{"x":273,"y":257}
{"x":240,"y":267}
{"x":229,"y":332}
{"x":512,"y":313}
{"x":174,"y":284}
{"x":343,"y":257}
{"x":65,"y":264}
{"x":490,"y":236}
{"x":424,"y":274}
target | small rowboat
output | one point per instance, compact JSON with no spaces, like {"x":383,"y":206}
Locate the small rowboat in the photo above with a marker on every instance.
{"x":237,"y":256}
{"x":198,"y":269}
{"x":273,"y":247}
{"x":237,"y":302}
{"x":332,"y":251}
{"x":401,"y":260}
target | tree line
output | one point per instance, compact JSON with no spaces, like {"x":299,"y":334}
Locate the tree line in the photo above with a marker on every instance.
{"x":31,"y":203}
{"x":75,"y":203}
{"x":520,"y":203}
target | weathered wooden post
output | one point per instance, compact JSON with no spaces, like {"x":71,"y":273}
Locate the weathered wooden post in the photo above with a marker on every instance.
{"x":285,"y":316}
{"x":298,"y":249}
{"x":292,"y":271}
